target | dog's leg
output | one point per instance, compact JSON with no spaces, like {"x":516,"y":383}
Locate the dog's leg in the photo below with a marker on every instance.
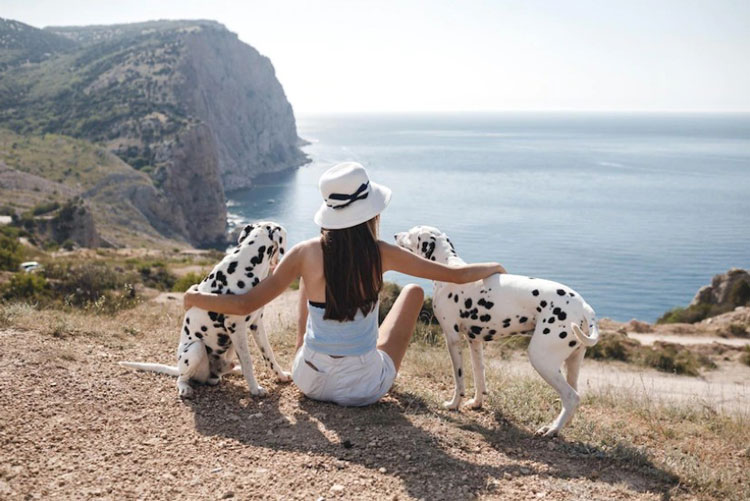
{"x":573,"y":366}
{"x":193,"y":365}
{"x":547,"y":361}
{"x":239,"y":340}
{"x":261,"y":339}
{"x":453,"y":341}
{"x":480,"y":383}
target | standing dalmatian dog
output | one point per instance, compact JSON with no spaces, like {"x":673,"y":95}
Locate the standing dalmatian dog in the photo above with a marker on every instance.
{"x":209,"y":340}
{"x":562,"y":324}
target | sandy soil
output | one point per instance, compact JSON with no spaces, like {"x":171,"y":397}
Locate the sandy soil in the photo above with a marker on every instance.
{"x":75,"y":425}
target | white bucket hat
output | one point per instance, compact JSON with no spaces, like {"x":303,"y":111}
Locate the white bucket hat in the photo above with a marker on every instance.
{"x":349,"y":197}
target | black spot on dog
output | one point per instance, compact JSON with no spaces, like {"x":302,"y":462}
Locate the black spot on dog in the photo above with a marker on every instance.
{"x":223,"y":340}
{"x":450,"y":295}
{"x":204,"y":328}
{"x":455,"y":298}
{"x":455,"y":327}
{"x":199,"y":335}
{"x":232,"y":267}
{"x":256,"y":281}
{"x":523,"y":320}
{"x":538,"y":309}
{"x":535,"y":292}
{"x":571,"y":294}
{"x":545,"y":331}
{"x":460,"y":372}
{"x":485,"y":303}
{"x":551,"y":320}
{"x":253,"y":327}
{"x":562,"y":315}
{"x":187,"y":320}
{"x":488,"y":337}
{"x":187,"y":331}
{"x":209,"y":350}
{"x":485,"y":318}
{"x":240,"y":284}
{"x":467,"y":303}
{"x":543,"y":304}
{"x":560,"y":292}
{"x":256,"y":260}
{"x":476,"y":329}
{"x":563,"y":335}
{"x":186,"y":362}
{"x":247,"y":318}
{"x":493,"y":331}
{"x":572,"y":344}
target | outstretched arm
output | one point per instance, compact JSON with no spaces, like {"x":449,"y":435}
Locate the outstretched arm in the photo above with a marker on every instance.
{"x":244,"y":304}
{"x":397,"y":259}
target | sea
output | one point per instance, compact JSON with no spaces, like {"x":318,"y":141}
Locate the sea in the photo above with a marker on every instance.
{"x":635,"y":211}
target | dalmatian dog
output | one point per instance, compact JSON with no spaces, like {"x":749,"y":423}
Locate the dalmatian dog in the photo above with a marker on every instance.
{"x":209,"y":340}
{"x":561,"y":323}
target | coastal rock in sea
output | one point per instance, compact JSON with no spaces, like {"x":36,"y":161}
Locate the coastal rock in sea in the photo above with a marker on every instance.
{"x":727,"y":289}
{"x":184,"y":102}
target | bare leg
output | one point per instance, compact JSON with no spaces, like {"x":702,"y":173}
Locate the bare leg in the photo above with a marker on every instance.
{"x":398,"y":326}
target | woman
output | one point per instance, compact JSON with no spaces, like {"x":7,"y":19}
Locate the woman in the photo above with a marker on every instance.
{"x":344,"y":357}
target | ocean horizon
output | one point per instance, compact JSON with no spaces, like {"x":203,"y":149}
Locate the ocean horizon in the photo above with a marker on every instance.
{"x":635,"y":211}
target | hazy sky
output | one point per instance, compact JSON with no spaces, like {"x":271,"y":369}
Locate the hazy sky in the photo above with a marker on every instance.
{"x":412,"y":55}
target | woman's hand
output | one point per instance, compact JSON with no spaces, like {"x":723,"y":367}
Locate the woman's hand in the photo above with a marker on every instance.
{"x":188,"y":300}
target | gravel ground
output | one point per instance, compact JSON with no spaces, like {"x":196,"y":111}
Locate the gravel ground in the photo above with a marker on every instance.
{"x":75,"y":425}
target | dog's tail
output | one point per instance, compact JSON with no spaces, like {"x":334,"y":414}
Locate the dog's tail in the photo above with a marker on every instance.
{"x":593,"y":337}
{"x":158,"y":368}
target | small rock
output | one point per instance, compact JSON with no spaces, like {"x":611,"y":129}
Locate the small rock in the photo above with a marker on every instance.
{"x":227,"y":495}
{"x":217,"y":470}
{"x":382,"y":470}
{"x":337,"y":488}
{"x":347,"y":444}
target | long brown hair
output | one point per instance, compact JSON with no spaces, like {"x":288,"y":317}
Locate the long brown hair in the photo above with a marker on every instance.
{"x":352,"y":268}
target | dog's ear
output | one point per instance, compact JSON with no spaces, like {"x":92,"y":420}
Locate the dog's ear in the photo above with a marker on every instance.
{"x":245,"y":232}
{"x":278,"y":236}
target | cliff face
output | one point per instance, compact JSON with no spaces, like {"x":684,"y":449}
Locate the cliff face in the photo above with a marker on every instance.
{"x":233,"y":89}
{"x":184,"y":102}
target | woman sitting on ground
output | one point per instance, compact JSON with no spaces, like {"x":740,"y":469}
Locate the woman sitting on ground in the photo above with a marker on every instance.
{"x":345,"y":357}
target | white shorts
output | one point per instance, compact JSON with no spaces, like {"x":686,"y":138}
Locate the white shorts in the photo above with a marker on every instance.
{"x":350,"y":380}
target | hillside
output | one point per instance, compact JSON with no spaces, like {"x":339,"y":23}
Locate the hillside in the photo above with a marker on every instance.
{"x":184,"y":102}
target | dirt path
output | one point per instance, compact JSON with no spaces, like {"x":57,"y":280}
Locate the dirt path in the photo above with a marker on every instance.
{"x":650,"y":338}
{"x":726,"y":388}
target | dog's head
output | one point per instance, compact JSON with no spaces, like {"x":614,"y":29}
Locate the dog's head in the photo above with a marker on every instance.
{"x":426,"y":241}
{"x":267,"y":234}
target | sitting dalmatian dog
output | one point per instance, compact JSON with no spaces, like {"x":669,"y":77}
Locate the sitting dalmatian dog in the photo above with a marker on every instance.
{"x":209,"y":340}
{"x":562,"y":324}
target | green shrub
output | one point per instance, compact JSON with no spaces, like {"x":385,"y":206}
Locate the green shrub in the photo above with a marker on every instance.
{"x":738,"y":329}
{"x":185,"y":282}
{"x":28,"y":286}
{"x":79,"y":285}
{"x":668,"y":358}
{"x":613,"y":347}
{"x":157,"y":276}
{"x":388,"y":296}
{"x":745,"y":357}
{"x":68,"y":245}
{"x":45,"y":208}
{"x":11,"y":253}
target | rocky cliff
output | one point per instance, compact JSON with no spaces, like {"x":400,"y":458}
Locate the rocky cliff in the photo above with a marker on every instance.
{"x":184,"y":102}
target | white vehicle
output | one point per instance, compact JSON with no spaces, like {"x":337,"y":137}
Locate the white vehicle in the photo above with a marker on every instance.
{"x":30,"y":266}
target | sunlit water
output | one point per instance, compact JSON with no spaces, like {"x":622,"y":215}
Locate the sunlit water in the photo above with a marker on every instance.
{"x":636,"y":212}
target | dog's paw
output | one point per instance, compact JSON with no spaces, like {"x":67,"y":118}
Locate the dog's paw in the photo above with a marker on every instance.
{"x":547,"y":431}
{"x":185,"y":391}
{"x":259,"y":392}
{"x":451,"y":405}
{"x":284,"y":377}
{"x":474,"y":404}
